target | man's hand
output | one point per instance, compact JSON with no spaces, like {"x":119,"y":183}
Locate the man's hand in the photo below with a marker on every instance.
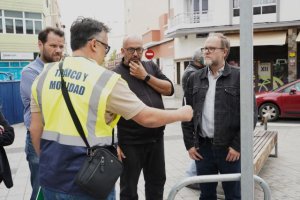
{"x":193,"y":153}
{"x":120,"y":153}
{"x":187,"y":113}
{"x":232,"y":155}
{"x":137,"y":70}
{"x":1,"y":130}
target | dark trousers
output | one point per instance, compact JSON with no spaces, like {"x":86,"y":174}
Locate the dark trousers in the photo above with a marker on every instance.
{"x":149,"y":158}
{"x":214,"y":162}
{"x":33,"y":162}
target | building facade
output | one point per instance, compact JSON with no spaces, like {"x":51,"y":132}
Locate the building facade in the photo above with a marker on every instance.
{"x":276,"y":39}
{"x":20,"y":23}
{"x":142,"y":16}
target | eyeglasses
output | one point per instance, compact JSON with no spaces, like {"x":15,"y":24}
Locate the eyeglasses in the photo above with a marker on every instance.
{"x":106,"y":46}
{"x":138,"y":50}
{"x":209,"y":49}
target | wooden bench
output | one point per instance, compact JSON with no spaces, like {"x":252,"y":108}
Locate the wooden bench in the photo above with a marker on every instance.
{"x":263,"y":144}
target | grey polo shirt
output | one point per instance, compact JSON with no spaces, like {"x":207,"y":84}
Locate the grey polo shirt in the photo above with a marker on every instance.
{"x":208,"y":114}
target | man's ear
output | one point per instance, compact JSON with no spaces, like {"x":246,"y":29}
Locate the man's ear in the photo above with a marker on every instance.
{"x":122,"y":51}
{"x":40,"y":45}
{"x":201,"y":60}
{"x":92,"y":45}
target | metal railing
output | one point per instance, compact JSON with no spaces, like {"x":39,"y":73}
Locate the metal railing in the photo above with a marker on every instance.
{"x":215,"y":178}
{"x":190,"y":18}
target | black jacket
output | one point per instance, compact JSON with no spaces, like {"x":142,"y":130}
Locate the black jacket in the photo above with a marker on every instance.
{"x":6,"y":138}
{"x":191,"y":68}
{"x":227,"y":108}
{"x":130,"y":132}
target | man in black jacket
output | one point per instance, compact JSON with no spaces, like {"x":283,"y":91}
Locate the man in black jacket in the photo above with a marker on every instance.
{"x":214,"y":94}
{"x":196,"y":63}
{"x":7,"y":136}
{"x":142,"y":148}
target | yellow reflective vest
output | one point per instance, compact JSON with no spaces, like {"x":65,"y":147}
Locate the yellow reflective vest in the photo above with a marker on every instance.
{"x":89,"y":86}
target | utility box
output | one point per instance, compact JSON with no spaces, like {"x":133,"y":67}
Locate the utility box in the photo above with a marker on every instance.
{"x":10,"y":101}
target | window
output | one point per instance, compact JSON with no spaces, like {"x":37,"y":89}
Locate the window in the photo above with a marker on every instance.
{"x":29,"y":27}
{"x":9,"y":25}
{"x":19,"y":26}
{"x":288,"y":89}
{"x":200,"y":6}
{"x":13,"y":14}
{"x":33,"y":22}
{"x":17,"y":22}
{"x":33,"y":15}
{"x":259,"y":7}
{"x":38,"y":26}
{"x":178,"y":77}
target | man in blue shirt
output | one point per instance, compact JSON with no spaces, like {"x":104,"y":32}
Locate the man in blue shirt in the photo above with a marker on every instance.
{"x":51,"y":45}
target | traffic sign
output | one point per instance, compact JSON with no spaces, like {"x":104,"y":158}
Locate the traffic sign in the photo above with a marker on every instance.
{"x":149,"y":54}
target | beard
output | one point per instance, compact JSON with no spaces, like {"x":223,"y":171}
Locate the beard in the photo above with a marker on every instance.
{"x":208,"y":62}
{"x":51,"y":58}
{"x":135,"y":59}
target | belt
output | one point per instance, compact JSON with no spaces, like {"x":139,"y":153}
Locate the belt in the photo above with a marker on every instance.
{"x":206,"y":140}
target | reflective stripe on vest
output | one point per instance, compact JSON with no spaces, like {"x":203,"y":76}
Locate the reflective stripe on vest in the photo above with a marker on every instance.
{"x":91,"y":104}
{"x":40,"y":84}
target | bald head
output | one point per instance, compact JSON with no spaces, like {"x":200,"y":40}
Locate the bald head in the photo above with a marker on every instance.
{"x":132,"y":38}
{"x":132,"y":49}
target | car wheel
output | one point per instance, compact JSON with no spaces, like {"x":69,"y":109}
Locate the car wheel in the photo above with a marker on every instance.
{"x":271,"y":109}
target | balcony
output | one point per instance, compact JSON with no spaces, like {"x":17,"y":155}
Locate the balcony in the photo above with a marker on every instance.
{"x":189,"y":20}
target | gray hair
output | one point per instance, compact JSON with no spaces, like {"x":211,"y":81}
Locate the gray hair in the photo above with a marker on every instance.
{"x":225,"y":43}
{"x":198,"y":56}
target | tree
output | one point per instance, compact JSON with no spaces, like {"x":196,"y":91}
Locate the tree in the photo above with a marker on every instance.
{"x":113,"y":55}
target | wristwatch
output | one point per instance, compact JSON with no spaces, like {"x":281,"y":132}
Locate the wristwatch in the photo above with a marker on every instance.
{"x":147,"y":78}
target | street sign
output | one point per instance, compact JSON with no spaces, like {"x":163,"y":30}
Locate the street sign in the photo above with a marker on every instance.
{"x":149,"y":54}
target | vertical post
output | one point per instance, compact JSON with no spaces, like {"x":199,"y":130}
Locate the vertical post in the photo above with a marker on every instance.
{"x":246,"y":60}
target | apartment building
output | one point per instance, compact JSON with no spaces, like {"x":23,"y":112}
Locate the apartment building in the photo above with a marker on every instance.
{"x":20,"y":23}
{"x":276,"y":38}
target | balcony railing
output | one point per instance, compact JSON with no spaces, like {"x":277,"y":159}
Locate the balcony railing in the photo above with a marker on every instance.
{"x":190,"y":18}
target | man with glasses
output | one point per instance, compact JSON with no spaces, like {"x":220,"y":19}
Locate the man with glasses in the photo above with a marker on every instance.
{"x":214,"y":93}
{"x":99,"y":97}
{"x":140,"y":147}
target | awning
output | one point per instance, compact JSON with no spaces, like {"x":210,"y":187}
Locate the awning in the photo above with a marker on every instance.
{"x":298,"y":37}
{"x":261,"y":39}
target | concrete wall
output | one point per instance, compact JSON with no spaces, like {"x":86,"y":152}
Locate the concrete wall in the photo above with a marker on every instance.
{"x":289,"y":10}
{"x":22,"y":5}
{"x":185,"y":47}
{"x":18,"y":43}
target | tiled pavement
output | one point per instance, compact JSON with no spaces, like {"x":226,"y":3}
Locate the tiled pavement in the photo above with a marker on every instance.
{"x":282,"y":173}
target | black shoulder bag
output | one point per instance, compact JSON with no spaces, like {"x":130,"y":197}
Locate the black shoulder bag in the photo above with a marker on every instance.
{"x":101,"y":169}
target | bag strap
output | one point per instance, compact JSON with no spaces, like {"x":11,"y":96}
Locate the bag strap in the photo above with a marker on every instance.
{"x":72,"y":110}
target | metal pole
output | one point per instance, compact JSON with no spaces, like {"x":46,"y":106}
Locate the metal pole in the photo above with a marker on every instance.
{"x":246,"y":65}
{"x":215,"y":178}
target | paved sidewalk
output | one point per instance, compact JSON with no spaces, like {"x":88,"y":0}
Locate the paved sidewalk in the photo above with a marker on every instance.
{"x":282,"y":173}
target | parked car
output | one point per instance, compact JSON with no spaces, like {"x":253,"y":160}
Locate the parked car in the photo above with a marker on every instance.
{"x":281,"y":102}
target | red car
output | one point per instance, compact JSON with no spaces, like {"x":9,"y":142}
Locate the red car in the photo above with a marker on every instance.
{"x":281,"y":102}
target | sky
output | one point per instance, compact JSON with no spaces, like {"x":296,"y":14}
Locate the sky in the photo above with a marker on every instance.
{"x":110,"y":12}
